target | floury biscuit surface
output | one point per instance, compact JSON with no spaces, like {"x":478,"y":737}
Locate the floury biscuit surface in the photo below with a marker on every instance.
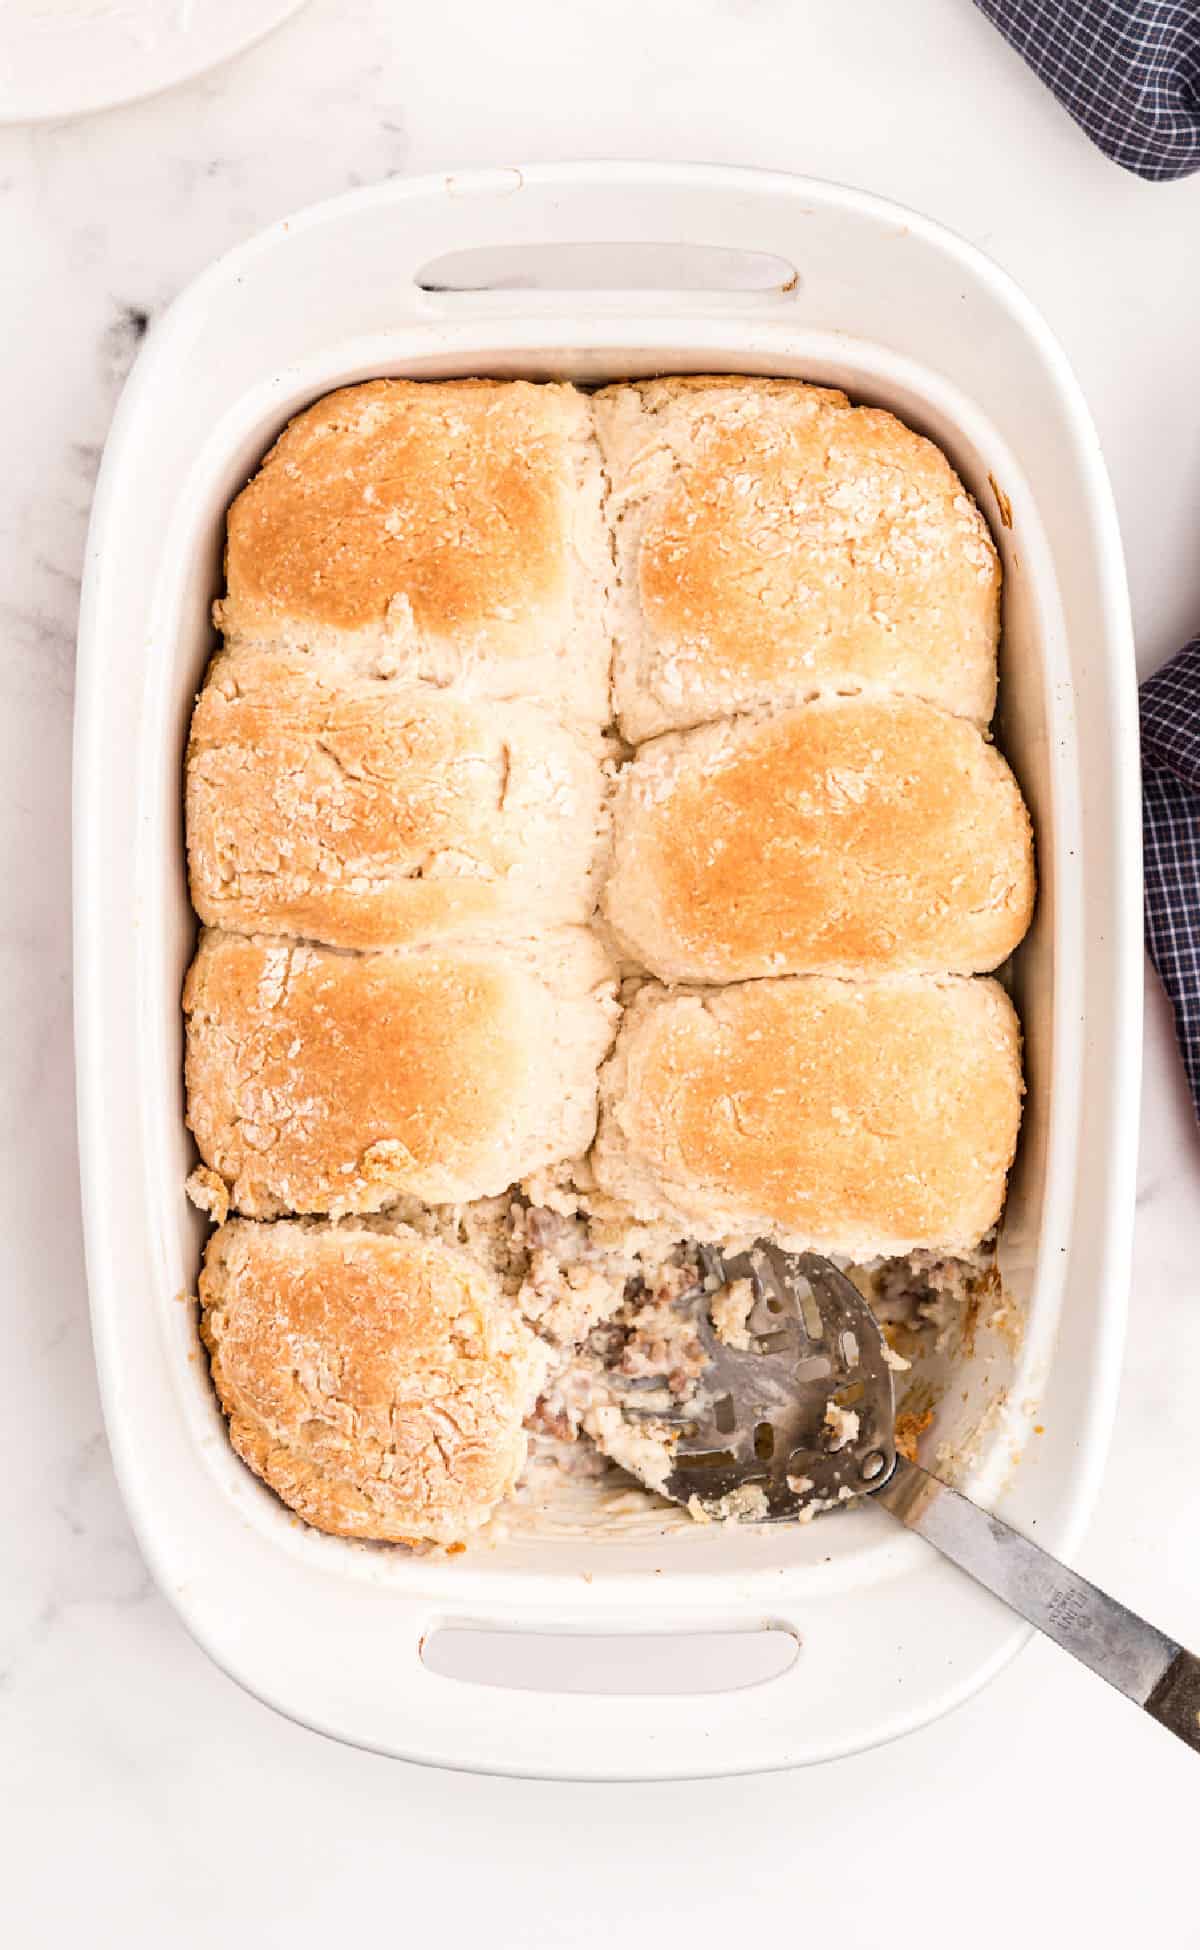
{"x":849,"y":837}
{"x":774,"y":543}
{"x":517,"y":681}
{"x":862,"y":1119}
{"x":328,"y":1082}
{"x":447,"y":532}
{"x":369,"y":813}
{"x":378,"y":1382}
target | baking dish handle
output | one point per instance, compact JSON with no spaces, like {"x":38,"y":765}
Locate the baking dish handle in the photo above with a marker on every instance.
{"x":388,"y":1698}
{"x":515,"y":1729}
{"x":534,"y":241}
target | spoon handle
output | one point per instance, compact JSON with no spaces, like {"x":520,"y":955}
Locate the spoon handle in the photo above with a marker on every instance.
{"x":1136,"y":1658}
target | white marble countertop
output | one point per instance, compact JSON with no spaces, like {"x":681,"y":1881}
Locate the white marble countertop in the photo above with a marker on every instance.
{"x":142,"y":1792}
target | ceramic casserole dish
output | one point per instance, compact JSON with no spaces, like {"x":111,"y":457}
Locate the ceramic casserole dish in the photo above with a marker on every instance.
{"x":595,"y":273}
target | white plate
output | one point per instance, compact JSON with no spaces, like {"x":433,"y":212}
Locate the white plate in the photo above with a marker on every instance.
{"x":903,"y":314}
{"x":72,"y":57}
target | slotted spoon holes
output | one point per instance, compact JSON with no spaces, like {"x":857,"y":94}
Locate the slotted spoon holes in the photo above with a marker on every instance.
{"x":810,"y":1311}
{"x":707,"y":1459}
{"x":724,"y":1415}
{"x":814,"y":1367}
{"x":770,"y":1315}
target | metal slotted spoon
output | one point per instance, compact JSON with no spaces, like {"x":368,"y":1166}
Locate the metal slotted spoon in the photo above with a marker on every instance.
{"x":760,"y":1423}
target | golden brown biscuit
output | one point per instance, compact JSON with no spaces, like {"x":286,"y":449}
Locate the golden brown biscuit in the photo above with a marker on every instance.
{"x":450,"y":531}
{"x":377,"y":814}
{"x":857,"y":1118}
{"x":327,"y":1082}
{"x":376,"y":1381}
{"x":845,"y":837}
{"x":774,"y":543}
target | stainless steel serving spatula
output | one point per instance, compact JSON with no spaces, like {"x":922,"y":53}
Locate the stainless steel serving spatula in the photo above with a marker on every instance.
{"x":761,"y":1427}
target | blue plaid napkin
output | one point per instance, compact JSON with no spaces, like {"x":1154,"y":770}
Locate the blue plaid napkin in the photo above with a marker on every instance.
{"x":1127,"y":70}
{"x":1129,"y":73}
{"x":1170,"y":704}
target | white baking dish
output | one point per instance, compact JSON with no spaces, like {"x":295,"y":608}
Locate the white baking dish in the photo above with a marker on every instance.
{"x":900,"y":313}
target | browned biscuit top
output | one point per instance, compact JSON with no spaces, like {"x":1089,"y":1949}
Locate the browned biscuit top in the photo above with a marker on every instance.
{"x":855,"y":836}
{"x":449,"y":500}
{"x":377,"y":1382}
